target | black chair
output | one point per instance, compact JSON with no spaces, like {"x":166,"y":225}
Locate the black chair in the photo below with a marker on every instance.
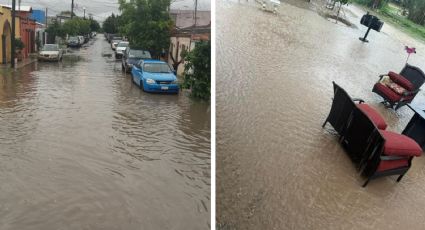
{"x":411,"y":78}
{"x":342,"y":107}
{"x":377,"y":152}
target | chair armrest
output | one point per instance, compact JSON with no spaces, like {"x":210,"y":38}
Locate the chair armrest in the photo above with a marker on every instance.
{"x":358,"y":99}
{"x":391,"y":158}
{"x":381,"y":76}
{"x":408,"y":93}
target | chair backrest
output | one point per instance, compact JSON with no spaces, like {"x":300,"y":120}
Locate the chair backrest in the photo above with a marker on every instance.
{"x":362,"y":137}
{"x":415,"y":75}
{"x":342,"y":107}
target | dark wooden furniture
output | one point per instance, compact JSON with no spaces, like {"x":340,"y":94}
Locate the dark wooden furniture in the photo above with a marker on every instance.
{"x":415,"y":129}
{"x":375,"y":151}
{"x":410,"y":78}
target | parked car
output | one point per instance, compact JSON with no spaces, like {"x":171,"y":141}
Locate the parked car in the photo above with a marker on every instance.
{"x":121,"y":47}
{"x":73,"y":42}
{"x":81,"y":39}
{"x":155,"y":76}
{"x":86,"y":38}
{"x":50,"y":52}
{"x":109,"y":37}
{"x":132,"y":57}
{"x":115,"y":42}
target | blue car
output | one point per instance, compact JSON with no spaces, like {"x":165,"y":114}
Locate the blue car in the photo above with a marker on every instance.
{"x":155,"y":76}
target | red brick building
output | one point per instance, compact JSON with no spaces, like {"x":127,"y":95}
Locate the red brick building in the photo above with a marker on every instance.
{"x":28,"y":27}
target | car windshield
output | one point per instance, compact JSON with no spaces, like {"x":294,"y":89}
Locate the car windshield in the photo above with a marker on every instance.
{"x":123,"y":44}
{"x":50,"y":47}
{"x":73,"y":39}
{"x":139,"y":54}
{"x":116,"y":41}
{"x":156,"y":68}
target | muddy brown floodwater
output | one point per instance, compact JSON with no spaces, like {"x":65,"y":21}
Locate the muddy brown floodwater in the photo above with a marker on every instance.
{"x":81,"y":147}
{"x":276,"y":167}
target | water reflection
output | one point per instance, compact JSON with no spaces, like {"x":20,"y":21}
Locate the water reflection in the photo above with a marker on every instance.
{"x":87,"y":149}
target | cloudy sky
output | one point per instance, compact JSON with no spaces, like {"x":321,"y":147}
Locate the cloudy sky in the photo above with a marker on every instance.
{"x":99,"y":8}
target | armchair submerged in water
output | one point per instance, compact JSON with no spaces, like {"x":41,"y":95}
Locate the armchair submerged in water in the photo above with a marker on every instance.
{"x":399,"y":89}
{"x":375,"y":151}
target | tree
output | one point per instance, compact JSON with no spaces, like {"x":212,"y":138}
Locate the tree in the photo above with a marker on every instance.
{"x":53,"y":31}
{"x":197,"y":71}
{"x":341,"y":3}
{"x":147,"y":24}
{"x":416,"y":10}
{"x":94,"y":25}
{"x":76,"y":26}
{"x":110,"y":25}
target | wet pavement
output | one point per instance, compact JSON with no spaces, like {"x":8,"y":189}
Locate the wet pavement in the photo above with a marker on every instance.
{"x":276,"y":167}
{"x":81,"y":147}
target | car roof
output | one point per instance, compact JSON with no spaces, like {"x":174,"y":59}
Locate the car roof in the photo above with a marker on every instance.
{"x":153,"y":61}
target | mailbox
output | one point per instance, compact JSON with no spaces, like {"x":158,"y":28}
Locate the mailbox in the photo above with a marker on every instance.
{"x":371,"y":22}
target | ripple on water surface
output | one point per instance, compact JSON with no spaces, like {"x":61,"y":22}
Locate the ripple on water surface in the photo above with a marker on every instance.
{"x":276,"y":167}
{"x":81,"y":147}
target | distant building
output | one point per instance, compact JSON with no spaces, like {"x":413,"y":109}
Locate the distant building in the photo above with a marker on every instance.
{"x":5,"y":33}
{"x":184,"y":40}
{"x":26,"y":29}
{"x":186,"y":34}
{"x":38,"y":16}
{"x":186,"y":18}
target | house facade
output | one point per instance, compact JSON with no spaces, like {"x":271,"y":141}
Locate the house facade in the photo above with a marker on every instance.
{"x":6,"y":32}
{"x":184,"y":40}
{"x":187,"y":31}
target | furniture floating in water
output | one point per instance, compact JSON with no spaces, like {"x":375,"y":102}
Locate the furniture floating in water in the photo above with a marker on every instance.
{"x":361,"y":129}
{"x":399,"y":89}
{"x":270,"y":5}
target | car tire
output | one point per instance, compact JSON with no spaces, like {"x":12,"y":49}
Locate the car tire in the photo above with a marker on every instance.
{"x":142,"y":86}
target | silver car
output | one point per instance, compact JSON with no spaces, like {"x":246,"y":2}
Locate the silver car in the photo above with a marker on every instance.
{"x":50,"y":52}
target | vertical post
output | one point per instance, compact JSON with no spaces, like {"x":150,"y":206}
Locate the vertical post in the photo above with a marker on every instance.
{"x":196,"y":10}
{"x":84,"y":13}
{"x":72,"y":9}
{"x":13,"y":33}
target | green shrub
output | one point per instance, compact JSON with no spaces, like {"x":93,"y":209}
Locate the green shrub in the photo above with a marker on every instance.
{"x":197,"y":71}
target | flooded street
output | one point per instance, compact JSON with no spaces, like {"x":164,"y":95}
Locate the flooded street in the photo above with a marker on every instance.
{"x":276,"y":167}
{"x":82,"y":147}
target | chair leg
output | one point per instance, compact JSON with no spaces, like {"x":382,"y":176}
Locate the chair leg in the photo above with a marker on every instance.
{"x":399,"y":178}
{"x":326,"y":121}
{"x":366,"y":182}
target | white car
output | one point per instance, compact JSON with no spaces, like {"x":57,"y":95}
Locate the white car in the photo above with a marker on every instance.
{"x":115,"y":42}
{"x":270,"y":5}
{"x":120,"y":49}
{"x":81,"y":39}
{"x":50,"y":52}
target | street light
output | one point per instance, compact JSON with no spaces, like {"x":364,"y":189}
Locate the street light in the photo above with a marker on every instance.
{"x":84,"y":8}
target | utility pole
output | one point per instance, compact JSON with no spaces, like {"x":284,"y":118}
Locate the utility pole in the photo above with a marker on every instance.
{"x":196,"y":10}
{"x":72,"y":9}
{"x":46,"y":18}
{"x":45,"y":36}
{"x":84,"y":13}
{"x":13,"y":33}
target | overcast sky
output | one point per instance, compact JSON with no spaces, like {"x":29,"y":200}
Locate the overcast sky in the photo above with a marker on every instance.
{"x":99,"y":8}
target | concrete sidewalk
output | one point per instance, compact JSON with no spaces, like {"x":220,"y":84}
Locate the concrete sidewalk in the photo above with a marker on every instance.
{"x":20,"y":64}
